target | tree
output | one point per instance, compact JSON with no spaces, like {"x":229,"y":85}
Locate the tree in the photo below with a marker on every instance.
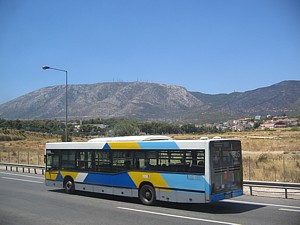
{"x":125,"y":129}
{"x":63,"y":138}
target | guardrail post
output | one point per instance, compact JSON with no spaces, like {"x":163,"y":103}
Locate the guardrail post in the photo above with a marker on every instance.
{"x":285,"y":190}
{"x":43,"y":172}
{"x":17,"y":169}
{"x":249,"y":170}
{"x":250,"y":190}
{"x":283,"y":168}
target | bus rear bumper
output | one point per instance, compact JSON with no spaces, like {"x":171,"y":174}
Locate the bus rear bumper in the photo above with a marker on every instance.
{"x":225,"y":195}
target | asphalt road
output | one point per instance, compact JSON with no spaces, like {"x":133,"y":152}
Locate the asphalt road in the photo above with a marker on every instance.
{"x":26,"y":200}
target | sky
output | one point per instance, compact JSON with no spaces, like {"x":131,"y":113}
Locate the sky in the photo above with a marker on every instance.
{"x":209,"y":46}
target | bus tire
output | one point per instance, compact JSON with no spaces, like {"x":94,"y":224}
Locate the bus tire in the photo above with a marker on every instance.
{"x":147,"y":195}
{"x":69,"y":186}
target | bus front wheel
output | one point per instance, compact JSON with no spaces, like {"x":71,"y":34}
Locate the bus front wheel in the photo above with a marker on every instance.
{"x":147,"y":195}
{"x":69,"y":186}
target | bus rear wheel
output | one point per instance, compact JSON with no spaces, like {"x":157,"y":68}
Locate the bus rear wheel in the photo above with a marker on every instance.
{"x":147,"y":195}
{"x":69,"y":186}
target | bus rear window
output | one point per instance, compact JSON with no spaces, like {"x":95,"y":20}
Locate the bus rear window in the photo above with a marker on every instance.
{"x":225,"y":153}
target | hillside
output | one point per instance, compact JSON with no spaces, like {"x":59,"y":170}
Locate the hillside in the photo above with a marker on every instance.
{"x":277,"y":99}
{"x":136,"y":100}
{"x":152,"y":101}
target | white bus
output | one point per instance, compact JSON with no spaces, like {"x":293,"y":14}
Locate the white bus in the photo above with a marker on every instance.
{"x":151,"y":168}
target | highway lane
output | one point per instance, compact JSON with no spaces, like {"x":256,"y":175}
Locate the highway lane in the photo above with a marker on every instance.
{"x":26,"y":200}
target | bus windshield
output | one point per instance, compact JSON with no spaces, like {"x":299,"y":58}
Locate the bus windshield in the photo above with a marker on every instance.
{"x":52,"y":162}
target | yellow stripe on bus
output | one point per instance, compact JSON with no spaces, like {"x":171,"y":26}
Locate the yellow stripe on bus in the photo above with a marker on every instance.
{"x":153,"y":178}
{"x":124,"y":145}
{"x":71,"y":174}
{"x":51,"y":175}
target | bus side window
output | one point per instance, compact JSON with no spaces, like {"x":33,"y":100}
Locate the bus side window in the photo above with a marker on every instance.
{"x":84,"y":160}
{"x":198,"y":162}
{"x":80,"y":160}
{"x":68,"y":160}
{"x":55,"y":162}
{"x":127,"y":164}
{"x":102,"y":161}
{"x":122,"y":161}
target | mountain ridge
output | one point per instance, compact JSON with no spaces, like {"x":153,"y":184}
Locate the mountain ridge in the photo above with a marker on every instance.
{"x":152,"y":102}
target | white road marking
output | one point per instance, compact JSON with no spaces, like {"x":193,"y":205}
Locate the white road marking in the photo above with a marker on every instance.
{"x":290,"y":210}
{"x":263,"y":204}
{"x":177,"y":216}
{"x":21,"y":175}
{"x":31,"y":181}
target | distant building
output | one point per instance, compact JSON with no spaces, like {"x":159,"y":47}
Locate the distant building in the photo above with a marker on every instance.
{"x":280,"y":124}
{"x":279,"y":118}
{"x":294,"y":121}
{"x":244,"y":120}
{"x":257,"y":117}
{"x":238,"y":128}
{"x":272,"y":125}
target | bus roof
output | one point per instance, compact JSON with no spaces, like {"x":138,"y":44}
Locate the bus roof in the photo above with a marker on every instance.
{"x":131,"y":138}
{"x":135,"y":142}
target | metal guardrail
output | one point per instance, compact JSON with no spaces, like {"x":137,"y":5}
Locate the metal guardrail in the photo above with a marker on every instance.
{"x":34,"y":168}
{"x":273,"y":185}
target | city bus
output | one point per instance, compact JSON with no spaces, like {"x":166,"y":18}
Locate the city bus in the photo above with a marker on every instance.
{"x":151,"y":168}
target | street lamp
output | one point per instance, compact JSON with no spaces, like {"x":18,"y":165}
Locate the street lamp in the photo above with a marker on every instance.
{"x":66,"y":110}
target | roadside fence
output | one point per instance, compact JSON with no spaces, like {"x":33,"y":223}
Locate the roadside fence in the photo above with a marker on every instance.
{"x":22,"y":157}
{"x":272,"y":189}
{"x":272,"y":167}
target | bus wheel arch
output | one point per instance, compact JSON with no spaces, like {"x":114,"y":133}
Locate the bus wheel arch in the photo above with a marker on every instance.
{"x":69,"y":185}
{"x":147,"y":193}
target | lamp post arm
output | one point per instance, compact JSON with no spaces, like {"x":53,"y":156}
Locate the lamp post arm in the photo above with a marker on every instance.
{"x":66,"y":110}
{"x":51,"y":68}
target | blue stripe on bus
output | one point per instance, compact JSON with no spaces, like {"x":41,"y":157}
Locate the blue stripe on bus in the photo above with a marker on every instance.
{"x":106,"y":147}
{"x":121,"y":180}
{"x":59,"y":177}
{"x":184,"y":181}
{"x":158,"y":145}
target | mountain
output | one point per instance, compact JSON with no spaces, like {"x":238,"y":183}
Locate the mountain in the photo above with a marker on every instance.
{"x":280,"y":98}
{"x":135,"y":100}
{"x":276,"y":99}
{"x":152,"y":102}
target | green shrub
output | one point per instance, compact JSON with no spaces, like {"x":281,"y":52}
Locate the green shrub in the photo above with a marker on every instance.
{"x":262,"y":158}
{"x":10,"y":138}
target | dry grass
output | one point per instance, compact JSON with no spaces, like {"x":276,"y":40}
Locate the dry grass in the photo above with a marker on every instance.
{"x":30,"y":150}
{"x":272,"y":167}
{"x":268,"y":155}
